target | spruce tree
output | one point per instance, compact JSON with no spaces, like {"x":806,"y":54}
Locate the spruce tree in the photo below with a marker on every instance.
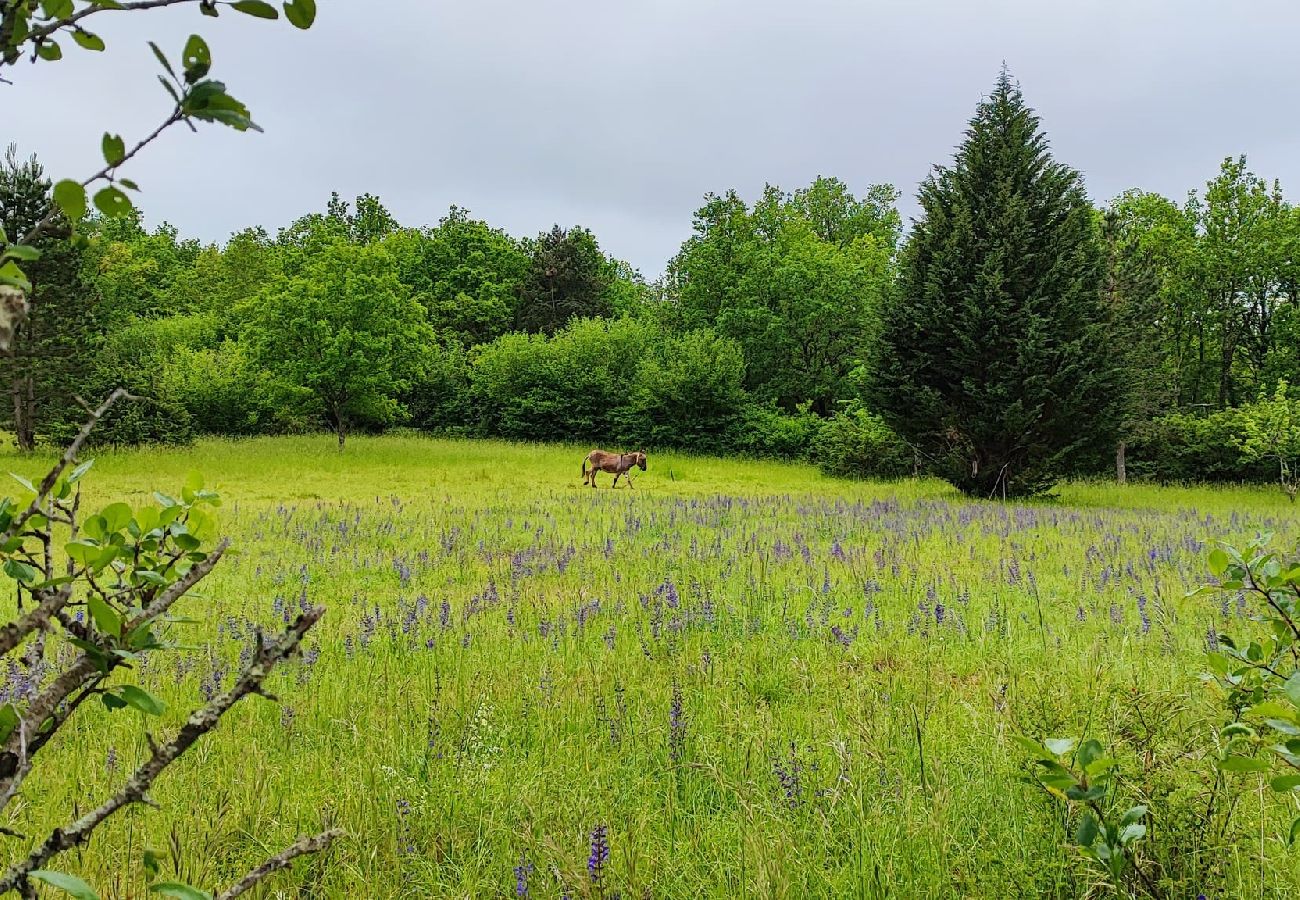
{"x":53,"y":351}
{"x":992,"y":358}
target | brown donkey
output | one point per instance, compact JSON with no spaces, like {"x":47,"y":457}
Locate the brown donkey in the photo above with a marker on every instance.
{"x":617,"y":463}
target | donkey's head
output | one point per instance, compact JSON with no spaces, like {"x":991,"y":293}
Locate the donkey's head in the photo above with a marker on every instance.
{"x":640,"y":459}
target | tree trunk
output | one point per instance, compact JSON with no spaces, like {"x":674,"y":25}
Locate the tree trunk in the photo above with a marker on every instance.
{"x":23,"y":391}
{"x":1121,"y":465}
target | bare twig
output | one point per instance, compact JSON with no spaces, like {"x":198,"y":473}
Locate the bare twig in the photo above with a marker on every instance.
{"x":304,"y":846}
{"x":38,"y":617}
{"x":199,"y":723}
{"x":103,"y":174}
{"x":68,"y":458}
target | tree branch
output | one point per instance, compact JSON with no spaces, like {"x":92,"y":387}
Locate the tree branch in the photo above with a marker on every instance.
{"x":68,"y":458}
{"x":200,"y":723}
{"x":48,"y":219}
{"x":36,"y":35}
{"x":304,"y":846}
{"x":85,"y":667}
{"x":13,"y":633}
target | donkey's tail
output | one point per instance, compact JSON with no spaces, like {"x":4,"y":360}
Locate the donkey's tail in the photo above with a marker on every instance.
{"x":584,"y":470}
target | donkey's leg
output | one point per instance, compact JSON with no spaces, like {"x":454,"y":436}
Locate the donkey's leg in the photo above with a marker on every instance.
{"x":629,"y":478}
{"x":615,"y":484}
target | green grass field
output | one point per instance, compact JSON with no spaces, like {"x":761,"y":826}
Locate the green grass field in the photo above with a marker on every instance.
{"x":763,"y":682}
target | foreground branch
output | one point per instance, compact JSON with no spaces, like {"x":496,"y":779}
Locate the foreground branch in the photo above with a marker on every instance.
{"x":304,"y":846}
{"x":103,"y":175}
{"x":49,"y":605}
{"x":86,"y":667}
{"x":203,"y":720}
{"x":68,"y":458}
{"x":40,"y":33}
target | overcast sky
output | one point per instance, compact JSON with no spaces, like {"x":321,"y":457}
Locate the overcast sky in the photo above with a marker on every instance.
{"x":620,"y":114}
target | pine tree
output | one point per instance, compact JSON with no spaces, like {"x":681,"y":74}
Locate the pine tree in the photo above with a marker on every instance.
{"x":992,"y":358}
{"x":52,"y":353}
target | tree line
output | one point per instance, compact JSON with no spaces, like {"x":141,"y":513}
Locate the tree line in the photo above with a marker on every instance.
{"x":1016,"y":335}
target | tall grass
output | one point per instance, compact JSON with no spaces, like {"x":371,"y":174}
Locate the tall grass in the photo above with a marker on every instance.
{"x":496,"y":676}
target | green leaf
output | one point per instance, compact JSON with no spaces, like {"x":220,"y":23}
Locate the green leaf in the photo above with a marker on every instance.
{"x":107,"y":619}
{"x":69,"y":884}
{"x":56,"y":9}
{"x":1131,"y":833}
{"x":1059,"y":746}
{"x":114,"y":149}
{"x":1133,"y":815}
{"x":1242,"y":764}
{"x":49,"y":50}
{"x":20,"y":571}
{"x":23,"y":481}
{"x":80,"y":471}
{"x":196,"y":59}
{"x":142,"y":700}
{"x":12,"y":275}
{"x":1218,"y":561}
{"x":1292,"y":688}
{"x":1086,"y":834}
{"x":1295,"y":833}
{"x":116,"y":516}
{"x":1283,"y":783}
{"x":113,"y":203}
{"x":1089,"y":751}
{"x":21,"y":252}
{"x":8,"y":721}
{"x":301,"y":13}
{"x":151,"y":862}
{"x":112,"y":701}
{"x":87,"y":41}
{"x":71,"y":198}
{"x":256,"y":8}
{"x":178,"y":891}
{"x":162,"y":58}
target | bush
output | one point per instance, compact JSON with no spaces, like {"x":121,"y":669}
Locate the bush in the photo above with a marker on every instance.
{"x":135,"y":357}
{"x":441,"y":400}
{"x":1195,"y":448}
{"x":856,"y":443}
{"x":225,"y":393}
{"x":687,"y":393}
{"x":770,"y":432}
{"x":565,"y":388}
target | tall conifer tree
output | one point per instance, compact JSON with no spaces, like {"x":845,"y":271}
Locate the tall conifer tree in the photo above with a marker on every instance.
{"x":992,"y":359}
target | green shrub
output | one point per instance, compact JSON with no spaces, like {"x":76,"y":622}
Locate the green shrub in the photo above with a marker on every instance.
{"x":686,"y":393}
{"x":135,"y":357}
{"x":1195,"y":448}
{"x":771,"y":432}
{"x":564,"y":388}
{"x":856,"y":443}
{"x":441,"y":400}
{"x":225,"y":393}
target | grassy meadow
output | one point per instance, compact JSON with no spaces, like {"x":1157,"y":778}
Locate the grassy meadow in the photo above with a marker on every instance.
{"x":761,"y":682}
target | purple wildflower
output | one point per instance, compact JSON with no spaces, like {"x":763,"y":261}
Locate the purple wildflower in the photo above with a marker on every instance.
{"x":599,"y":855}
{"x":522,"y":871}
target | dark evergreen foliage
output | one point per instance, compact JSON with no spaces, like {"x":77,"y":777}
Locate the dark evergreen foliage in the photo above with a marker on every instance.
{"x":992,"y":359}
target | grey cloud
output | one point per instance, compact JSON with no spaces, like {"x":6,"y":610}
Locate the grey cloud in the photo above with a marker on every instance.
{"x":619,"y":115}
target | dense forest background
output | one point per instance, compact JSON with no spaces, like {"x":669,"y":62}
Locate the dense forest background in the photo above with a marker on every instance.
{"x":758,"y":339}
